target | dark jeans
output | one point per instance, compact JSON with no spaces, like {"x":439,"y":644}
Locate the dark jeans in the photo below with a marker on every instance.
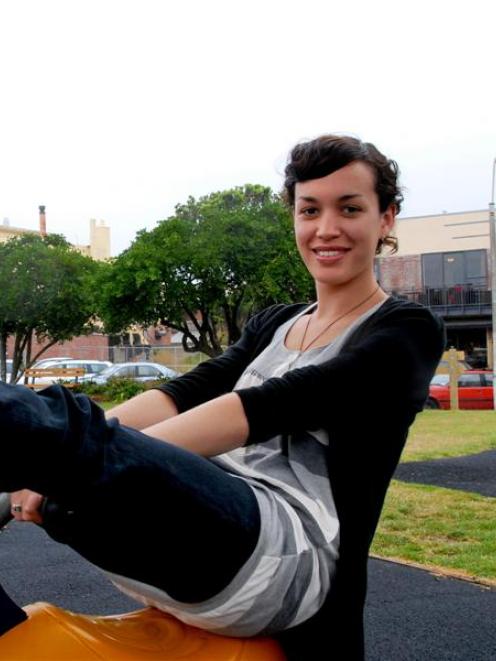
{"x":130,"y":504}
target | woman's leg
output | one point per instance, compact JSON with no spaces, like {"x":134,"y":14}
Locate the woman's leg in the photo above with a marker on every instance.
{"x":138,"y":507}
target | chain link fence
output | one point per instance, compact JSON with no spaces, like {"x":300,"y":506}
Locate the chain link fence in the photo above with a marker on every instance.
{"x":172,"y":356}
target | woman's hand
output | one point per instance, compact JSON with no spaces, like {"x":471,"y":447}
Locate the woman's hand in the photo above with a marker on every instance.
{"x":26,"y":505}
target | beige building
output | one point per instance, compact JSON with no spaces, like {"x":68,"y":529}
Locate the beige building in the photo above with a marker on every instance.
{"x":443,"y":262}
{"x":8,"y":232}
{"x":98,"y":247}
{"x":466,"y":230}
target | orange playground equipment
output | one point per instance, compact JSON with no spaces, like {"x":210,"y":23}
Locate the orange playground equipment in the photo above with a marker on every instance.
{"x":53,"y":634}
{"x":42,"y":632}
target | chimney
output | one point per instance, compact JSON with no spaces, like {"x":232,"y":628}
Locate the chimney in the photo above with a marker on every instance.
{"x":43,"y":231}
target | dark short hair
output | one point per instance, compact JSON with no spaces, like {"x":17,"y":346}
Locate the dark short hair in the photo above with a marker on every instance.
{"x":319,"y":157}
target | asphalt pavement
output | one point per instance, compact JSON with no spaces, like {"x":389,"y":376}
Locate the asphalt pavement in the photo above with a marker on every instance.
{"x":476,"y":473}
{"x":411,"y":614}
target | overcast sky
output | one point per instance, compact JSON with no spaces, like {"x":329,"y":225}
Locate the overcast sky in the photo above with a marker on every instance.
{"x":119,"y":110}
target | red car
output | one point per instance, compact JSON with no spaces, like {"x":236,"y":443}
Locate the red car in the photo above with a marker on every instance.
{"x":475,"y":391}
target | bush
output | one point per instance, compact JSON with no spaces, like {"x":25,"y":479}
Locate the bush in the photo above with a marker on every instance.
{"x":115,"y":390}
{"x":118,"y":390}
{"x":93,"y":390}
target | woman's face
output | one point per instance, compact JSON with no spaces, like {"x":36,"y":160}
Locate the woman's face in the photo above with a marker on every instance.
{"x":338,"y":225}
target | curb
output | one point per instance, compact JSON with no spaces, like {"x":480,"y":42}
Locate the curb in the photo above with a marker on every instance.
{"x":441,"y":572}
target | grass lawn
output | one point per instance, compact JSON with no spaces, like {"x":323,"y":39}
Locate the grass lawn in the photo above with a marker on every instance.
{"x":437,"y":434}
{"x":440,"y":529}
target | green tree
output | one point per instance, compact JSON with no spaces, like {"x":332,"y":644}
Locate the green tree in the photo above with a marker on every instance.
{"x":207,"y":268}
{"x":47,"y":292}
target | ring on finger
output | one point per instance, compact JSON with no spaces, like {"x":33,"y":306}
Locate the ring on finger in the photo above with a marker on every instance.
{"x":17,"y":508}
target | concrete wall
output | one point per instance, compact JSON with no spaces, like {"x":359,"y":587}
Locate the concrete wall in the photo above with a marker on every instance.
{"x":7,"y":232}
{"x":99,"y":245}
{"x":99,"y":240}
{"x":468,"y":230}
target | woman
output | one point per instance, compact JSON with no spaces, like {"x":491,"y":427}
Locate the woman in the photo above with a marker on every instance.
{"x":250,"y":500}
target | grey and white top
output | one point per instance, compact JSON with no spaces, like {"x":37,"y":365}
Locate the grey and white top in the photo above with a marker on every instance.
{"x":287,"y":578}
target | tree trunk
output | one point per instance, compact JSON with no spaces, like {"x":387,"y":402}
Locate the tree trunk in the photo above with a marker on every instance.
{"x":19,"y":344}
{"x":40,"y":352}
{"x":27,"y":352}
{"x":3,"y":357}
{"x":207,"y":341}
{"x":231,"y":315}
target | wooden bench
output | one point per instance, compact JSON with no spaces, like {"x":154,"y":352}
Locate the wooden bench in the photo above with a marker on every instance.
{"x":55,"y":373}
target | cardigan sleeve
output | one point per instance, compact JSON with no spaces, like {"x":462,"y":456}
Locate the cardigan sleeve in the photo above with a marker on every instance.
{"x":218,"y":376}
{"x":389,"y":364}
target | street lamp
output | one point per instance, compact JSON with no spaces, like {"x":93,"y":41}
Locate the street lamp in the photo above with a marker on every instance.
{"x":492,"y":238}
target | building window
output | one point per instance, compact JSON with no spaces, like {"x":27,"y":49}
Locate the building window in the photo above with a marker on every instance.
{"x":432,"y":271}
{"x":451,"y":269}
{"x":476,"y":268}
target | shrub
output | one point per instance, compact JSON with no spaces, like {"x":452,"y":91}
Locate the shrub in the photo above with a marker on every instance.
{"x":115,"y":390}
{"x":93,"y":390}
{"x":118,"y":390}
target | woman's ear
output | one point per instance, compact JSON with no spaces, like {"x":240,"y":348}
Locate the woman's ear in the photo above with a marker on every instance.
{"x":387,"y":220}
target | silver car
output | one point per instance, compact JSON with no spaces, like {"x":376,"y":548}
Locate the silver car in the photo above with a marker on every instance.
{"x":137,"y":371}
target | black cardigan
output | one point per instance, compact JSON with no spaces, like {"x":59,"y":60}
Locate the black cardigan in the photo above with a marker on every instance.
{"x":366,"y":398}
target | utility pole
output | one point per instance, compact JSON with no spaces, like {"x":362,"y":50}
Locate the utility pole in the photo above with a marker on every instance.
{"x":492,"y":236}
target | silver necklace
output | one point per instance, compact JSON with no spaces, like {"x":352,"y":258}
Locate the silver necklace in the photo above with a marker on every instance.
{"x":303,"y":348}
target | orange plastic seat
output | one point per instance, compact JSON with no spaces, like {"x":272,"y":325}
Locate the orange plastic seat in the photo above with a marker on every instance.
{"x":54,"y":634}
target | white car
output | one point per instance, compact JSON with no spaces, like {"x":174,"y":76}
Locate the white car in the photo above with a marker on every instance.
{"x":49,"y":362}
{"x":137,"y":371}
{"x":9,"y":369}
{"x":90,"y":367}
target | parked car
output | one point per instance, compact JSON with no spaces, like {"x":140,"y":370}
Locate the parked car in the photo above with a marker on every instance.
{"x":9,"y":366}
{"x":143,"y":371}
{"x":91,"y":368}
{"x":9,"y":369}
{"x":47,"y":362}
{"x":475,"y":391}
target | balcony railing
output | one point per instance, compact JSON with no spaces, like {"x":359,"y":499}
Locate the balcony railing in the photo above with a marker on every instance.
{"x":459,"y":300}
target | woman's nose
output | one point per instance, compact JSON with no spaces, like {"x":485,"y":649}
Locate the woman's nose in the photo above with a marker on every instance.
{"x":328,"y":226}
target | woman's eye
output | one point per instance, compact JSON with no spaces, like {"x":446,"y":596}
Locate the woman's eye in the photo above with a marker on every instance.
{"x":351,"y":210}
{"x":308,"y":211}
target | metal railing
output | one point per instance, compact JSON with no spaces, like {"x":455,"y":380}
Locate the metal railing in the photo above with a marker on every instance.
{"x":458,"y":300}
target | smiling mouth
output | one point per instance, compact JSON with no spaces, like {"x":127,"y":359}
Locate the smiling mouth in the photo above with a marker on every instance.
{"x":329,"y":253}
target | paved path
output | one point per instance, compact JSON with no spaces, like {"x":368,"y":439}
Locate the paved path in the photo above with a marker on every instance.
{"x":411,"y":615}
{"x":476,"y":472}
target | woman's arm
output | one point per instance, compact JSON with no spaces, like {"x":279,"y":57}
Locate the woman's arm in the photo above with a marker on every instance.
{"x":391,"y":363}
{"x":209,"y":381}
{"x":145,"y":410}
{"x":212,"y":428}
{"x":218,"y":376}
